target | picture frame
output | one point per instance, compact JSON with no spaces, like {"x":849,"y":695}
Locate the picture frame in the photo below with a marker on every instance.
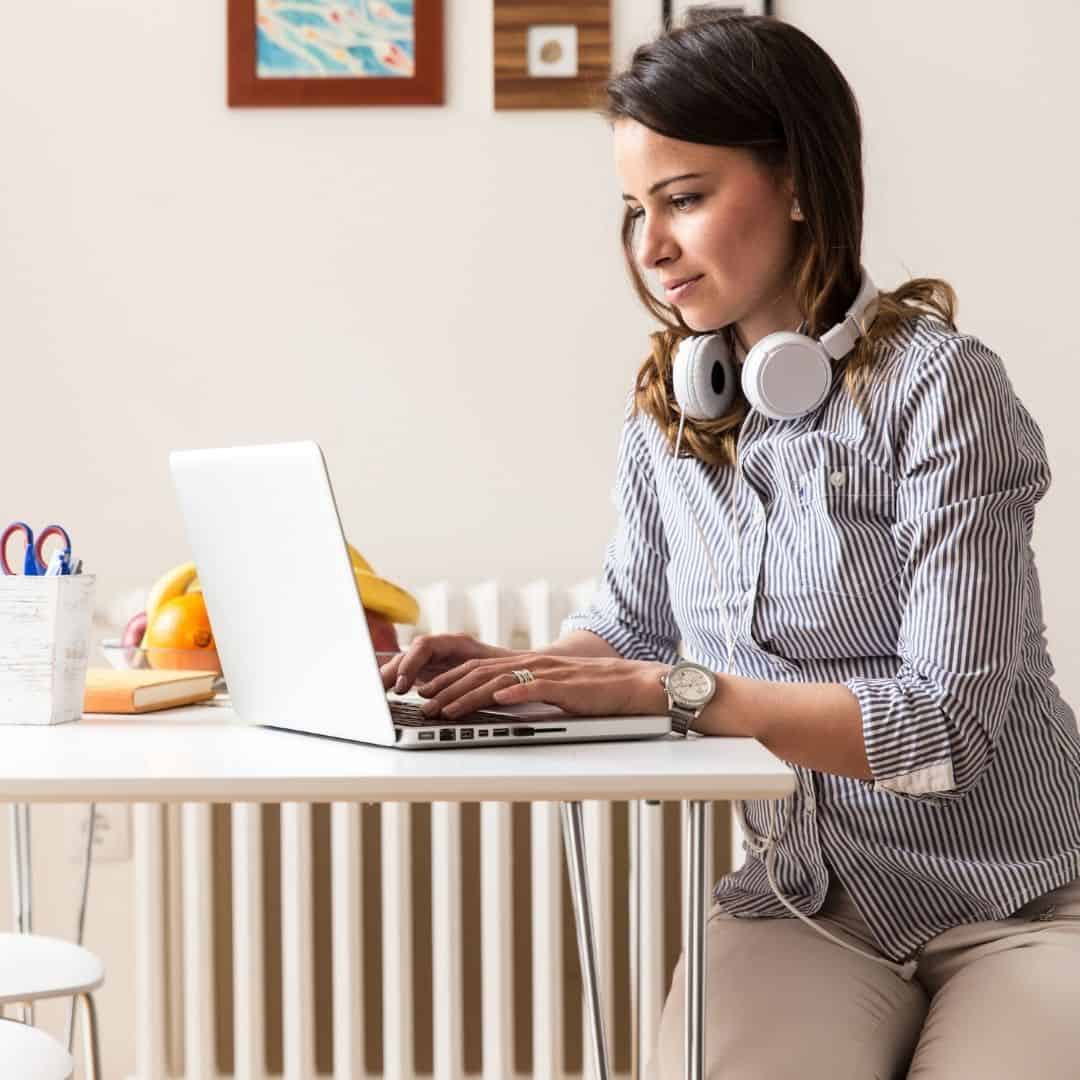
{"x":551,"y":54}
{"x":674,"y":12}
{"x":335,"y":53}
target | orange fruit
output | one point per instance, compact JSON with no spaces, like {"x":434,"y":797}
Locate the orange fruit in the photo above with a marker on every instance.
{"x":180,"y":636}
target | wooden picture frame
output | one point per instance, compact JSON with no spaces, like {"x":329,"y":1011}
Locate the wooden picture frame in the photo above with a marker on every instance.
{"x":551,"y":54}
{"x":413,"y":76}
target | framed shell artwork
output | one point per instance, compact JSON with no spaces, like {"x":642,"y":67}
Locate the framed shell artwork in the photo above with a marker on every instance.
{"x":551,"y":55}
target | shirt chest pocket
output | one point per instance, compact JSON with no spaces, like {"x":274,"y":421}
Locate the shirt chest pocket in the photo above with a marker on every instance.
{"x":846,"y":508}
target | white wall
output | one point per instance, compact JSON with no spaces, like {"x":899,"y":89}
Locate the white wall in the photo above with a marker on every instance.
{"x":437,"y":294}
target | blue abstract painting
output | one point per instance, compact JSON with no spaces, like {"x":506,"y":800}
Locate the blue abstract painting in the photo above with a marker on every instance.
{"x":305,"y":39}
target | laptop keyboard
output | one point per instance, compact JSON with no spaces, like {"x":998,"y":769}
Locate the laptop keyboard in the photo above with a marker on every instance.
{"x":408,"y":714}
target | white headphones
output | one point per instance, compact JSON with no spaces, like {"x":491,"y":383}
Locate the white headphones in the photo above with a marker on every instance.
{"x":784,"y":376}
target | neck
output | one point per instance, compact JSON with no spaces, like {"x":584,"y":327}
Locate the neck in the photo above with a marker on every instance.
{"x":782,"y":314}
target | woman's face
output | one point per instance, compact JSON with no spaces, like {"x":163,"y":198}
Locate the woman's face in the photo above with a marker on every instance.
{"x":715,"y":214}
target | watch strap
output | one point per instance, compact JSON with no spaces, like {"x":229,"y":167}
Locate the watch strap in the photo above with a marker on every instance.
{"x":681,"y":719}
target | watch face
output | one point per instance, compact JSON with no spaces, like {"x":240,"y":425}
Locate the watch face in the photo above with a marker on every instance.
{"x":690,"y":686}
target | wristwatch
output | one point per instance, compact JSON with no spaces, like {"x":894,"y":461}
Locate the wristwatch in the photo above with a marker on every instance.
{"x":690,"y":687}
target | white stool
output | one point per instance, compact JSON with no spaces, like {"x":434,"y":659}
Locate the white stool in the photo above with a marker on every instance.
{"x":34,"y":967}
{"x":30,"y":1054}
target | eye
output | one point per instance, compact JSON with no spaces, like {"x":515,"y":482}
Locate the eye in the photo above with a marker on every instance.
{"x":681,"y":203}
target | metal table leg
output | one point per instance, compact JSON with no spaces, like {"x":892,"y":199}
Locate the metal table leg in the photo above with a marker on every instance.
{"x":22,"y":881}
{"x":574,"y":842}
{"x":80,"y":926}
{"x":695,"y":940}
{"x":634,"y":811}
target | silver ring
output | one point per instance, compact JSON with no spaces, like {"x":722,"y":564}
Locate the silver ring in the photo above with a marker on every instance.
{"x":523,"y":675}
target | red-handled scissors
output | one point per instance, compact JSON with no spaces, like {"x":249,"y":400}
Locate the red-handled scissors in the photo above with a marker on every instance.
{"x":34,"y":562}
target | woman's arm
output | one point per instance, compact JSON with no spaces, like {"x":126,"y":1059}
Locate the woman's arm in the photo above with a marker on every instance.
{"x":817,"y":725}
{"x":630,"y":615}
{"x":580,"y":643}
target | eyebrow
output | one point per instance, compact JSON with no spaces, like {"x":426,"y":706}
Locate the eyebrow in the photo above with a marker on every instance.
{"x":664,"y":183}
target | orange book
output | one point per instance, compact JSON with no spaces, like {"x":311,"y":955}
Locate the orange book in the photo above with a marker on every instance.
{"x":112,"y":691}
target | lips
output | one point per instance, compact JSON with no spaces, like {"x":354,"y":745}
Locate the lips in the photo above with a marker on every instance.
{"x":680,"y":286}
{"x":679,"y":281}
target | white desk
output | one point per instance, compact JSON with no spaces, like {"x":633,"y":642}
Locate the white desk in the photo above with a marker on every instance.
{"x":206,"y":754}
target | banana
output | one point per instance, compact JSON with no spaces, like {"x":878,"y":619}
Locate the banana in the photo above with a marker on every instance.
{"x":389,"y":600}
{"x":375,"y":593}
{"x":358,"y":561}
{"x":172,"y":583}
{"x":379,"y":595}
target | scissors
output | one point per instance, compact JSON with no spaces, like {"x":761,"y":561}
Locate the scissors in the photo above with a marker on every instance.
{"x":34,"y":563}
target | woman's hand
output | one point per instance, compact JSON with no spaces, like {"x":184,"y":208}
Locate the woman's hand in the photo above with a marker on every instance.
{"x":580,"y":685}
{"x":431,"y":654}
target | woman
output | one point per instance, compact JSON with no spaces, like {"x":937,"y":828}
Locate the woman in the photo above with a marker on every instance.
{"x":860,"y":578}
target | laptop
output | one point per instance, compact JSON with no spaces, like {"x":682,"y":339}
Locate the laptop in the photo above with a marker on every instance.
{"x":290,"y":629}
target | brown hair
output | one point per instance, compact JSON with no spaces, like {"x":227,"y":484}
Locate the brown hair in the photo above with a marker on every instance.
{"x":759,"y":83}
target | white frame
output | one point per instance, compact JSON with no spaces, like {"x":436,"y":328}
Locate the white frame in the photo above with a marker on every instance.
{"x":679,"y":8}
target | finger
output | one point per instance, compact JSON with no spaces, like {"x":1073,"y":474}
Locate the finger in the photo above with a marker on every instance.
{"x":467,"y":676}
{"x":476,"y":698}
{"x":467,"y":682}
{"x":515,"y":693}
{"x":551,"y":693}
{"x":450,"y":675}
{"x":416,"y":656}
{"x":389,"y":671}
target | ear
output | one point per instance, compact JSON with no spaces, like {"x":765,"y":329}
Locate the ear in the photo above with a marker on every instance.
{"x":787,"y":187}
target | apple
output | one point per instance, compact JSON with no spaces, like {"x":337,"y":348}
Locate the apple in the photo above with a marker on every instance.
{"x":133,"y":632}
{"x":383,"y":632}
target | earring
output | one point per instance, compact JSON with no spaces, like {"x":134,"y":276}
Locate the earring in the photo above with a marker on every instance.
{"x":796,"y":211}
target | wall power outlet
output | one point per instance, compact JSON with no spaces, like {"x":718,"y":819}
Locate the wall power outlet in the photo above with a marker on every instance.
{"x":112,"y":831}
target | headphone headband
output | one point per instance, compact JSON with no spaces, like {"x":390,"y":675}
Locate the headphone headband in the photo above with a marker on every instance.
{"x":840,"y":340}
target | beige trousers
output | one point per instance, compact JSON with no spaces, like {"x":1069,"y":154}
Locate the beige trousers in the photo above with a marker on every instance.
{"x":990,"y":1000}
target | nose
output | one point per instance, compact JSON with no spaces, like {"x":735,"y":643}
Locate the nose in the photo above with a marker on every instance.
{"x":655,"y":243}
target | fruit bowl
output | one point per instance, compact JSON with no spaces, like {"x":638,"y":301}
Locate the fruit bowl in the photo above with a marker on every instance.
{"x":127,"y":657}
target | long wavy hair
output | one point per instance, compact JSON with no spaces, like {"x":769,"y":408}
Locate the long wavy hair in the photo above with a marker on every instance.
{"x":760,"y":84}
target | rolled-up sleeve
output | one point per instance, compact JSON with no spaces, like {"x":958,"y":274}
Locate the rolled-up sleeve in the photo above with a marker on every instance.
{"x":631,"y":610}
{"x":971,"y":466}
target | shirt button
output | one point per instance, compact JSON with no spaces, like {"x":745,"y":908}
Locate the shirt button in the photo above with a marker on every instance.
{"x":759,"y":514}
{"x":838,"y":478}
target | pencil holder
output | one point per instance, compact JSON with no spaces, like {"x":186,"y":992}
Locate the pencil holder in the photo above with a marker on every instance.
{"x":44,"y":645}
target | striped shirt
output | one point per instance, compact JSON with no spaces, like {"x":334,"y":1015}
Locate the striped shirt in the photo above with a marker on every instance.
{"x":891,"y":553}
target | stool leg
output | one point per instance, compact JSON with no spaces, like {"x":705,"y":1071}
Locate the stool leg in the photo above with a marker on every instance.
{"x":70,"y":1040}
{"x":574,"y":838}
{"x":91,"y":1052}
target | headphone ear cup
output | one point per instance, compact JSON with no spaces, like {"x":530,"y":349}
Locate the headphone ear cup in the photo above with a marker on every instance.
{"x":786,"y":375}
{"x":703,"y":377}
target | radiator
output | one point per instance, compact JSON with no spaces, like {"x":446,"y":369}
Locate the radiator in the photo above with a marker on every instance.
{"x":354,"y":941}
